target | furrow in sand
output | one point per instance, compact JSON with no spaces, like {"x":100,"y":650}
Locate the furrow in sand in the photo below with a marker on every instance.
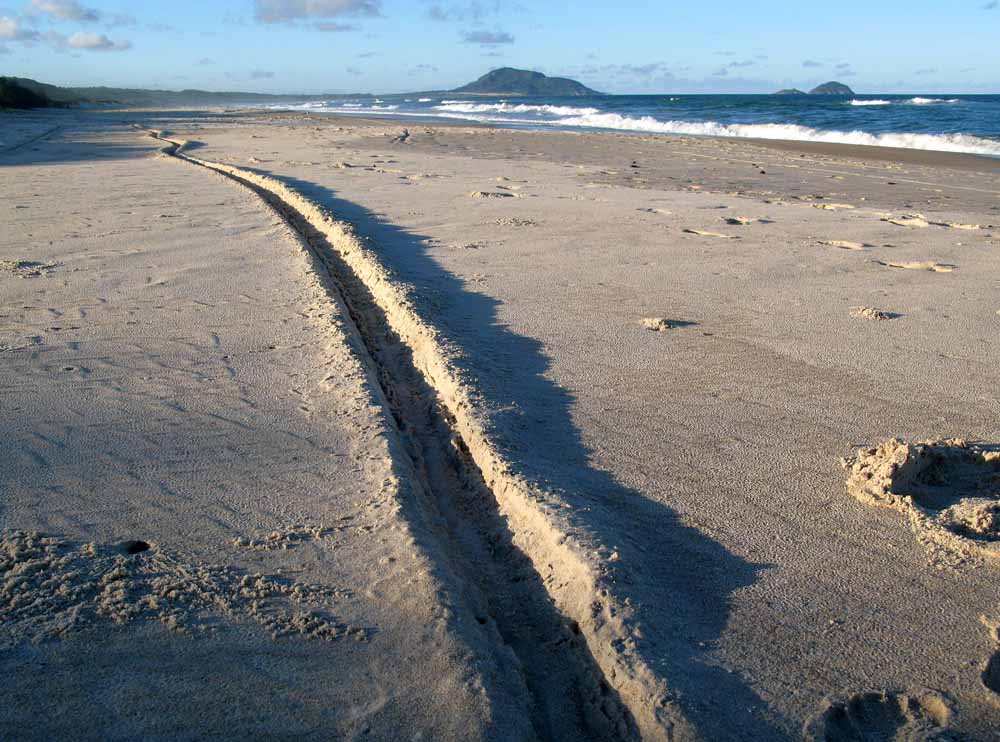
{"x":541,"y":572}
{"x":26,"y":142}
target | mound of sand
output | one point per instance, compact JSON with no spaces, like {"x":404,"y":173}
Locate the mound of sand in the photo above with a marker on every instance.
{"x":662,"y":324}
{"x":949,"y":489}
{"x":870,"y":313}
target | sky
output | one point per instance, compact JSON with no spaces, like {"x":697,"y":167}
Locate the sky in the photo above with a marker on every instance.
{"x":388,"y":46}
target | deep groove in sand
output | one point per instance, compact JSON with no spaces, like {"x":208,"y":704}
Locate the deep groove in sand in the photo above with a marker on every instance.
{"x":573,"y":699}
{"x":560,"y":551}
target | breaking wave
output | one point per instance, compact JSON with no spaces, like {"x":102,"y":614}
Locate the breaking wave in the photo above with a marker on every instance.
{"x":938,"y":142}
{"x":462,"y":107}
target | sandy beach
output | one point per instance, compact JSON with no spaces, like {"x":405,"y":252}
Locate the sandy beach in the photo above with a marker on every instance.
{"x":321,"y":427}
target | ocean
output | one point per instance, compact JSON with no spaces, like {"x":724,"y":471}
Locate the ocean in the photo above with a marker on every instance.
{"x":948,"y":123}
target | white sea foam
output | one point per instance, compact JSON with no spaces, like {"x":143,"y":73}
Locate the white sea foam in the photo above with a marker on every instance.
{"x":938,"y":142}
{"x":424,"y":100}
{"x":929,"y":101}
{"x":870,"y":102}
{"x":461,"y":107}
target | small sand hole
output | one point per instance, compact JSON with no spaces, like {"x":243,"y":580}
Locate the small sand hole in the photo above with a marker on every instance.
{"x":134,"y":547}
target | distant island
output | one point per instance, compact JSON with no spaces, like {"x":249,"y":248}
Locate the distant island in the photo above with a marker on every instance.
{"x":510,"y":81}
{"x":831,"y":88}
{"x":828,"y":88}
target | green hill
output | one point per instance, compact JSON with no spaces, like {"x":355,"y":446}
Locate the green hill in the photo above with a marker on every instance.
{"x":15,"y":95}
{"x":510,"y":81}
{"x":152,"y":98}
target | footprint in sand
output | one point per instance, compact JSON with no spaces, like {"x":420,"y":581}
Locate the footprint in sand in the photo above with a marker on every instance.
{"x":991,"y":675}
{"x":916,"y":716}
{"x":662,"y":324}
{"x":846,"y":244}
{"x":704,"y":233}
{"x":26,"y":268}
{"x":737,"y":221}
{"x":490,"y":194}
{"x":908,"y":220}
{"x":515,"y":221}
{"x":918,"y":265}
{"x":949,"y":489}
{"x":872,"y":314}
{"x":956,"y":225}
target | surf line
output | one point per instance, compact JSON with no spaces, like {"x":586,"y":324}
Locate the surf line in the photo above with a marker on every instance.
{"x":569,"y":603}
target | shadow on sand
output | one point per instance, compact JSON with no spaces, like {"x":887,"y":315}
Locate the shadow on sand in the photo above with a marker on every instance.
{"x":679,"y":578}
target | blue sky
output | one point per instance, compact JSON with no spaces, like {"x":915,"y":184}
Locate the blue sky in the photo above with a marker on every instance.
{"x":385,"y":46}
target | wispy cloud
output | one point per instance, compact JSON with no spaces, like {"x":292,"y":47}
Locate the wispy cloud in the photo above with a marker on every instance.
{"x":926,"y":71}
{"x":992,"y":5}
{"x":487,"y":38}
{"x":122,"y":19}
{"x":67,"y":10}
{"x":473,"y":11}
{"x":811,"y":63}
{"x":723,"y":71}
{"x":96,"y":42}
{"x":84,"y":41}
{"x":420,"y":69}
{"x":11,"y":29}
{"x":284,"y":11}
{"x":261,"y":74}
{"x":205,"y":62}
{"x":334,"y":27}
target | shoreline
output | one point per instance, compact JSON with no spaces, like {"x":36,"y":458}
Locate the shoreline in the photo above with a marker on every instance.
{"x":933,"y":158}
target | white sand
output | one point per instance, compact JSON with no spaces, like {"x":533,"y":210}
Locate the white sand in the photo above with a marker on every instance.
{"x":676,"y":493}
{"x":181,"y":376}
